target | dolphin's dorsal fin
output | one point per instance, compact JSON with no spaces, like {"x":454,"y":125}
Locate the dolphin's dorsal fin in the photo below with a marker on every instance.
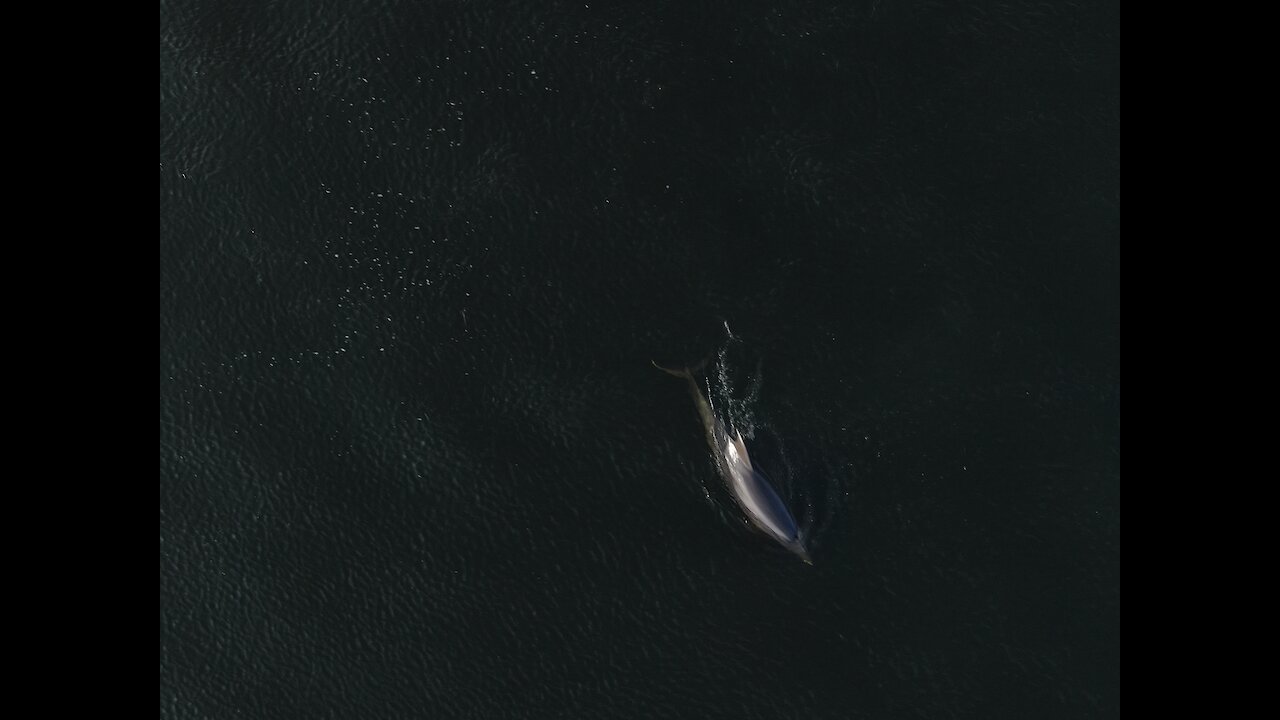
{"x":742,"y":448}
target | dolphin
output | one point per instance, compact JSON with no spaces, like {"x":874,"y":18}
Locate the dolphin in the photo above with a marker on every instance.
{"x":750,"y":488}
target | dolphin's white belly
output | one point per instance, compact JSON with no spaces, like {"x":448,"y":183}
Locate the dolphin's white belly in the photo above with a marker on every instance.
{"x":759,"y":501}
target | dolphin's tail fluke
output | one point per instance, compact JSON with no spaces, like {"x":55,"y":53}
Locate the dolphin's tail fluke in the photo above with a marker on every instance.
{"x":686,"y":372}
{"x":681,"y":373}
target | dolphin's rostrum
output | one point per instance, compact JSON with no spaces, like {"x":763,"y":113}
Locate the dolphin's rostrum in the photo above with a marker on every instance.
{"x":750,"y":488}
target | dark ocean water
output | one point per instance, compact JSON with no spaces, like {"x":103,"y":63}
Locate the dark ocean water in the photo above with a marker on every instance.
{"x":416,"y":258}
